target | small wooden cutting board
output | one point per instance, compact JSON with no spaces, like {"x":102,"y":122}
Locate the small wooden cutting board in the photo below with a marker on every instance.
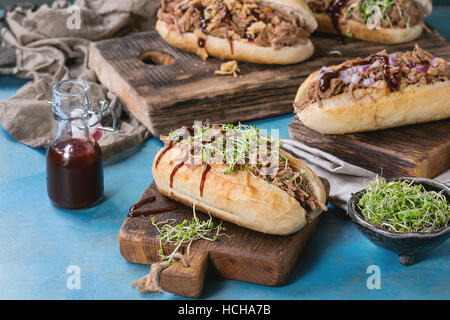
{"x":241,"y":254}
{"x":166,"y":88}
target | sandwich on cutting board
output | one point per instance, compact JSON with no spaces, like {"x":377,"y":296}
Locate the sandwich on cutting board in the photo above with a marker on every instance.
{"x":258,"y":31}
{"x":275,"y":194}
{"x":378,"y":92}
{"x":383,"y":21}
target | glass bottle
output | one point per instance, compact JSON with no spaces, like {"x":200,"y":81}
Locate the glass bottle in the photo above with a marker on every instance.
{"x":74,"y":158}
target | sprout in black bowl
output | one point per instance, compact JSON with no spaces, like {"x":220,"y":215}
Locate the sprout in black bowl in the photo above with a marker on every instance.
{"x":406,"y":244}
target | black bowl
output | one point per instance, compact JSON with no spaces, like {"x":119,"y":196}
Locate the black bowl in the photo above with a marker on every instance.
{"x":406,"y":244}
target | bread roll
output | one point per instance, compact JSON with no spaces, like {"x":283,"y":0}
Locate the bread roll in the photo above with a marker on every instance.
{"x":378,"y":107}
{"x":246,"y":50}
{"x":240,"y":197}
{"x":340,"y":115}
{"x":361,"y":31}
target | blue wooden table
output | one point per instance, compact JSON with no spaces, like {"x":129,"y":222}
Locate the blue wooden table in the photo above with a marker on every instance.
{"x":39,"y":242}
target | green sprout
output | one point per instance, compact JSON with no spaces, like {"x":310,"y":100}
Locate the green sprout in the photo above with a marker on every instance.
{"x":401,"y":206}
{"x":185,"y":233}
{"x":367,"y":7}
{"x":337,"y":52}
{"x":237,"y":146}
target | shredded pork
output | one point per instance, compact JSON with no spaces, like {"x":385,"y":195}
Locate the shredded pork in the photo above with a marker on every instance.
{"x":412,"y":67}
{"x":290,"y":180}
{"x":243,"y":20}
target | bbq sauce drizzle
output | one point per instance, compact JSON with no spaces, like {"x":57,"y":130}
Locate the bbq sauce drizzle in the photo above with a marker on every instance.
{"x":204,"y":23}
{"x":333,"y":12}
{"x":257,"y":16}
{"x":228,"y":25}
{"x":174,"y":170}
{"x":133,"y":213}
{"x":166,"y":148}
{"x":393,"y":80}
{"x":181,"y":135}
{"x":206,"y":169}
{"x":201,"y":42}
{"x":325,"y":80}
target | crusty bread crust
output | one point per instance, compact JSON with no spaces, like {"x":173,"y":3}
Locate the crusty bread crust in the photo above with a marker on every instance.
{"x":361,"y":31}
{"x":242,"y":51}
{"x":340,"y":114}
{"x":240,"y":197}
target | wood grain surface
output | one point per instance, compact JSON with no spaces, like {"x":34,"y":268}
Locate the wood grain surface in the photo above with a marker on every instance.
{"x":421,"y":150}
{"x":184,"y":281}
{"x":241,"y":254}
{"x":164,"y":97}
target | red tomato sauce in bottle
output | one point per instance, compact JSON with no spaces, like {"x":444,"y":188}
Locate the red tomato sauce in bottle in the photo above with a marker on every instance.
{"x":74,"y":158}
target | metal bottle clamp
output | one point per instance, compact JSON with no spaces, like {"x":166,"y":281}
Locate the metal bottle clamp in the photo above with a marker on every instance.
{"x":104,"y":107}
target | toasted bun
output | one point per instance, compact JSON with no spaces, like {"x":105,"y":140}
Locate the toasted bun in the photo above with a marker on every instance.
{"x":240,"y":197}
{"x":361,"y":31}
{"x":245,"y":51}
{"x":340,"y":114}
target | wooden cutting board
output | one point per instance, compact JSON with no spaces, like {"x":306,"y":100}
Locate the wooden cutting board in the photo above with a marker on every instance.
{"x":421,"y":150}
{"x":166,"y":88}
{"x":243,"y":254}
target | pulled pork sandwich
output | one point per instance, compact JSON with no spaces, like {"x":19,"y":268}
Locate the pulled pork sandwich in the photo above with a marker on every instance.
{"x":383,"y":21}
{"x":218,"y":170}
{"x":381,"y":91}
{"x":266,"y":31}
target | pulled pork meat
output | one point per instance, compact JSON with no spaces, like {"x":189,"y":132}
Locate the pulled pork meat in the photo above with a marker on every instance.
{"x":379,"y":71}
{"x":394,"y":13}
{"x":292,"y":181}
{"x":243,"y":20}
{"x":285,"y":177}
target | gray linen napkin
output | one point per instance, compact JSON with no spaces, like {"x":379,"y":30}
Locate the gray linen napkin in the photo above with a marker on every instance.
{"x":38,"y":44}
{"x":344,"y":178}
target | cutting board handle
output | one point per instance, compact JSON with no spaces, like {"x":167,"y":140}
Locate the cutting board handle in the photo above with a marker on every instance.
{"x":188,"y":281}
